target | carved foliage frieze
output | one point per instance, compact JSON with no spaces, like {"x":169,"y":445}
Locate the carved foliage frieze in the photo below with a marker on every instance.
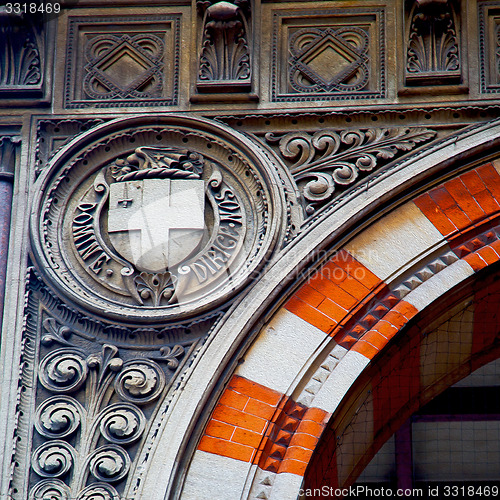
{"x":489,"y":40}
{"x":122,"y":61}
{"x":22,"y":50}
{"x":88,"y":395}
{"x":433,"y":54}
{"x":225,"y":55}
{"x":159,"y":219}
{"x":325,"y":163}
{"x":319,"y":55}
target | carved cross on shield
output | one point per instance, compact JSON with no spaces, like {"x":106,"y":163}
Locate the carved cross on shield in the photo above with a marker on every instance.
{"x":156,"y":223}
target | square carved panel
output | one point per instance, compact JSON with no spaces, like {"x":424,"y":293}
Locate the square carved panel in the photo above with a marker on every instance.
{"x":122,"y":61}
{"x":328,"y":55}
{"x":489,"y":43}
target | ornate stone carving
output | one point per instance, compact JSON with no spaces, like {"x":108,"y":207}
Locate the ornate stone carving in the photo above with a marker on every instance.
{"x":21,"y":53}
{"x":433,"y":48}
{"x":225,"y":56}
{"x":326,"y":162}
{"x":489,"y":42}
{"x":158,"y":221}
{"x":125,"y":62}
{"x":339,"y":56}
{"x":88,"y":394}
{"x":329,"y":60}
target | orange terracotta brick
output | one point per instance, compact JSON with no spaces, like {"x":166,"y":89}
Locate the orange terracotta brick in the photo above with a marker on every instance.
{"x":293,"y":467}
{"x":226,"y":448}
{"x":375,"y":339}
{"x":332,"y":310}
{"x":475,"y":261}
{"x":361,"y":273}
{"x":233,"y":399}
{"x":386,"y":329}
{"x":239,"y":418}
{"x":472,"y":182}
{"x":298,"y":453}
{"x":316,"y":415}
{"x":488,"y":254}
{"x":396,"y":319}
{"x":406,"y":309}
{"x":219,"y":429}
{"x":260,"y":409}
{"x":464,"y":199}
{"x":323,"y":285}
{"x":309,"y":295}
{"x":355,"y":288}
{"x":430,"y":209}
{"x":311,"y":315}
{"x":246,"y":437}
{"x":442,"y":198}
{"x":365,"y":349}
{"x":342,"y":258}
{"x":487,"y":202}
{"x":491,"y":179}
{"x":304,"y":440}
{"x":254,"y":390}
{"x":333,"y":272}
{"x":310,"y":427}
{"x":458,"y":217}
{"x":496,"y":246}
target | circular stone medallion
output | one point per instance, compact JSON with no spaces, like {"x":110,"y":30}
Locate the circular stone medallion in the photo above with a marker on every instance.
{"x":156,"y":217}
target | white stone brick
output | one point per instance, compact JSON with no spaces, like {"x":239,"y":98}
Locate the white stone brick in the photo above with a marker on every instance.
{"x":393,"y":241}
{"x":280,"y":351}
{"x":339,"y":382}
{"x":214,"y":476}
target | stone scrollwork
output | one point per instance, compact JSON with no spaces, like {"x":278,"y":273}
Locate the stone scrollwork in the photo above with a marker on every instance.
{"x":162,"y":218}
{"x":122,"y":423}
{"x":99,"y":492}
{"x":325,"y":162}
{"x":109,"y":463}
{"x":50,"y":489}
{"x":58,"y":417}
{"x":63,"y":371}
{"x":140,"y":383}
{"x":53,"y":459}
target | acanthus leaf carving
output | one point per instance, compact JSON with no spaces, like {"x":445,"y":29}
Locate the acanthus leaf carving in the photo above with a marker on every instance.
{"x":433,"y":50}
{"x":225,"y":57}
{"x":324,"y":162}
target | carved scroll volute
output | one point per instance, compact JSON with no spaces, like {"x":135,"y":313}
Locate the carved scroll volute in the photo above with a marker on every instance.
{"x":224,"y":63}
{"x":433,"y":55}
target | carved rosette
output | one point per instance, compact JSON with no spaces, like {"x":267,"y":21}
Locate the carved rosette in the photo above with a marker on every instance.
{"x":154,"y":218}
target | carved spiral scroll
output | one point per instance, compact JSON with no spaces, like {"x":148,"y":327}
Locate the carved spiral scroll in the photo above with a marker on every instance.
{"x":50,"y":489}
{"x":109,"y":463}
{"x":63,"y":370}
{"x":140,"y":382}
{"x":53,"y":459}
{"x":99,"y":492}
{"x":58,"y":417}
{"x":122,"y":423}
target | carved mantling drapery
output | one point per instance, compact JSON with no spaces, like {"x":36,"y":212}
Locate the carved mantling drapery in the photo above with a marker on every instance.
{"x":21,"y":53}
{"x":225,"y":56}
{"x":433,"y":48}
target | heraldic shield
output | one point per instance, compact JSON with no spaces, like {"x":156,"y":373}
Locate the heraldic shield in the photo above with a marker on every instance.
{"x":156,"y":223}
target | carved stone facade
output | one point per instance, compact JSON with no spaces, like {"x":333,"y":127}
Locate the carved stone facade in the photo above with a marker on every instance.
{"x":209,"y":212}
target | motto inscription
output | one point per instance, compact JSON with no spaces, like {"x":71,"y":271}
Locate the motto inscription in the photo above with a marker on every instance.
{"x":155,"y":221}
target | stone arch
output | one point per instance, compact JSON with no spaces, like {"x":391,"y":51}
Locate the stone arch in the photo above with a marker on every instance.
{"x":273,"y":407}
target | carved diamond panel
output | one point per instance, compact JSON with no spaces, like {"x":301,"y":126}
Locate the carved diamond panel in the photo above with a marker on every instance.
{"x":489,"y":32}
{"x":328,"y":55}
{"x":122,"y":61}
